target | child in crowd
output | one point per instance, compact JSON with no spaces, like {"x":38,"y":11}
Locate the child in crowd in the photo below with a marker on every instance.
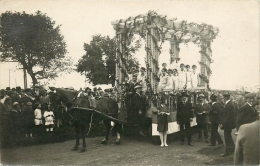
{"x":162,"y":128}
{"x":37,"y":116}
{"x":49,"y":119}
{"x":28,"y":117}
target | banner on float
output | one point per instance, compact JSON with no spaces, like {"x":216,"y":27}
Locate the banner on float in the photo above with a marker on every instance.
{"x":173,"y":126}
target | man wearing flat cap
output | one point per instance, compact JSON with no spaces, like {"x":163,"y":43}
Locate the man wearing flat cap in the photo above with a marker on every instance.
{"x":247,"y":114}
{"x":137,"y":114}
{"x":228,"y":123}
{"x":202,"y":117}
{"x":215,"y":117}
{"x":184,"y":117}
{"x":15,"y":119}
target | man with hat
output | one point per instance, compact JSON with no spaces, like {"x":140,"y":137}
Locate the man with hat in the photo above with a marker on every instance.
{"x":131,"y":91}
{"x":215,"y":118}
{"x":137,"y":114}
{"x":247,"y":114}
{"x":3,"y":96}
{"x":15,"y":119}
{"x":202,"y":117}
{"x":100,"y":93}
{"x":89,"y":97}
{"x":247,"y":144}
{"x":184,"y":117}
{"x":28,"y":116}
{"x":228,"y":123}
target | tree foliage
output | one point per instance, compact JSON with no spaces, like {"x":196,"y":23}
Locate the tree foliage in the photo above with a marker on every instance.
{"x":99,"y":62}
{"x":35,"y":42}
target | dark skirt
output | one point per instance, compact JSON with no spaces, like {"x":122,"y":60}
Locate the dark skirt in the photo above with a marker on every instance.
{"x":162,"y":123}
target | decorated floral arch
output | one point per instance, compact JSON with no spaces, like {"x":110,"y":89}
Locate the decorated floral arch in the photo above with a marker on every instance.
{"x":155,"y":29}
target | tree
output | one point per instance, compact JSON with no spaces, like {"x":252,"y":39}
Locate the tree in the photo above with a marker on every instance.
{"x":35,"y":42}
{"x":99,"y":62}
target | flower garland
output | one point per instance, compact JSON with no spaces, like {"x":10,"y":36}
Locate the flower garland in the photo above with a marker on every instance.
{"x":209,"y":71}
{"x":204,"y":78}
{"x":208,"y":57}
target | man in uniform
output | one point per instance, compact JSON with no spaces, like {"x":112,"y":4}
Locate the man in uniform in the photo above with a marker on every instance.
{"x":228,"y":123}
{"x":184,"y":117}
{"x":247,"y":114}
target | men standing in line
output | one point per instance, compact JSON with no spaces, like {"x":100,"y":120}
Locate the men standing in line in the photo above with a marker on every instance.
{"x":184,"y":117}
{"x":247,"y":114}
{"x":215,"y":113}
{"x":228,"y":123}
{"x":202,"y":117}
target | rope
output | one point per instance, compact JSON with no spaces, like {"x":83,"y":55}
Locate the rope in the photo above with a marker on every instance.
{"x":90,"y":124}
{"x":107,"y":116}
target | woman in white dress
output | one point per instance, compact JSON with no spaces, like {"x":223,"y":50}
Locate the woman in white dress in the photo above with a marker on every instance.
{"x":163,"y":80}
{"x":182,"y":77}
{"x":170,"y":85}
{"x":175,"y":79}
{"x":194,"y":77}
{"x":188,"y":72}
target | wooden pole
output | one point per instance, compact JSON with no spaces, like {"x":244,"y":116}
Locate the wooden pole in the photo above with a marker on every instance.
{"x":9,"y":77}
{"x":25,"y":78}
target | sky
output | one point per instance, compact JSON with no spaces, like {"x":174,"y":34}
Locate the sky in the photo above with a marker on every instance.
{"x":235,"y":50}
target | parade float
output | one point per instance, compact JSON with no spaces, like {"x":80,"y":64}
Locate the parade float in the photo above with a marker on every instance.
{"x":156,"y":29}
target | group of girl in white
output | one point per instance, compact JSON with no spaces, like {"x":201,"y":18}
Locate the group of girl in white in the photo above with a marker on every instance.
{"x":172,"y":79}
{"x":48,"y":116}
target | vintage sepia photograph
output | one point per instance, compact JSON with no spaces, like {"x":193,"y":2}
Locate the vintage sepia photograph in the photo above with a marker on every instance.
{"x":144,"y":82}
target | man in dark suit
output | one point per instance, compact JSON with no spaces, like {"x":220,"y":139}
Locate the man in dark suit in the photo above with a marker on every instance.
{"x":214,"y":114}
{"x":129,"y":95}
{"x":247,"y":145}
{"x":138,"y":112}
{"x":184,"y":117}
{"x":247,"y":114}
{"x":228,"y":123}
{"x":202,"y":117}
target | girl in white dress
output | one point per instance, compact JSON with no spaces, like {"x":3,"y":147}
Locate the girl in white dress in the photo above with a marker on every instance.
{"x":170,"y":85}
{"x":188,"y":77}
{"x":182,"y":77}
{"x":49,"y":119}
{"x":163,"y":80}
{"x":37,"y":114}
{"x":175,"y":79}
{"x":194,"y":77}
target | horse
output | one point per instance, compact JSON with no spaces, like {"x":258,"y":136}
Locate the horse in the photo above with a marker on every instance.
{"x":80,"y":113}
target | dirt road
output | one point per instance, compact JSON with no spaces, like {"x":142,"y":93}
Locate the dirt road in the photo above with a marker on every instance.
{"x":132,"y":151}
